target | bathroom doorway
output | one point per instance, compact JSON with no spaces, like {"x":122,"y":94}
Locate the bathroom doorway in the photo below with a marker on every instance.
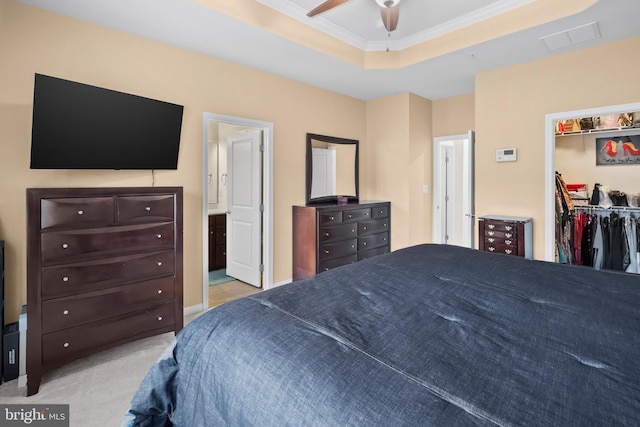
{"x":218,"y":133}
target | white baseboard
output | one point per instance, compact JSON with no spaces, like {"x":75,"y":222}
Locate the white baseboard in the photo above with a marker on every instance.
{"x":194,"y":309}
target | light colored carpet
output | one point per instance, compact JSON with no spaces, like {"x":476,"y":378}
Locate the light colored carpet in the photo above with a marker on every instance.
{"x":97,"y":388}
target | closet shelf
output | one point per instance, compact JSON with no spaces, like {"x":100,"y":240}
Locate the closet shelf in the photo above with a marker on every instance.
{"x":598,"y":130}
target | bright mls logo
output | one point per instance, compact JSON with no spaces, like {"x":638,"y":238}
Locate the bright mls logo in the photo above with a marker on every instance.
{"x":34,"y":415}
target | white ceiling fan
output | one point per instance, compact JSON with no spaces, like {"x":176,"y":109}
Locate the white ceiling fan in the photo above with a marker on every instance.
{"x":389,"y":11}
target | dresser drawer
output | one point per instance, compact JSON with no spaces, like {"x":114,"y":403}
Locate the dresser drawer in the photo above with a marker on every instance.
{"x":337,"y":232}
{"x":85,"y":243}
{"x":373,"y":226}
{"x":500,"y":241}
{"x":70,"y":279}
{"x":501,"y":249}
{"x":63,"y":313}
{"x":136,"y":209}
{"x":373,"y":241}
{"x":337,"y":262}
{"x":380,"y":212}
{"x":332,"y":217}
{"x":69,"y":344}
{"x":76,"y":212}
{"x":337,"y":249}
{"x":503,"y":226}
{"x":372,"y":252}
{"x":356,"y":214}
{"x":500,"y":234}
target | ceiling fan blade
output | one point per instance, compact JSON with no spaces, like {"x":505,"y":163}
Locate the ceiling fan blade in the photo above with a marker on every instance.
{"x":327,"y":5}
{"x":390,"y":16}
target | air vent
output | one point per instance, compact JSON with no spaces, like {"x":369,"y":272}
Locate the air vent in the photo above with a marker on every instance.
{"x":577,"y":35}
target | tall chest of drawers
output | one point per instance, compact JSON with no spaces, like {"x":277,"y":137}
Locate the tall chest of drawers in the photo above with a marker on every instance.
{"x":328,"y":236}
{"x":511,"y":235}
{"x":104,"y":267}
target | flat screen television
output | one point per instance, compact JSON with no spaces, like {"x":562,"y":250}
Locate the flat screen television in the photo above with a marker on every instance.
{"x":79,"y":126}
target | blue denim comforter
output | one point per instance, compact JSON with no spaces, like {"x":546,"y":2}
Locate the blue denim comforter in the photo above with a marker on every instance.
{"x":428,"y":335}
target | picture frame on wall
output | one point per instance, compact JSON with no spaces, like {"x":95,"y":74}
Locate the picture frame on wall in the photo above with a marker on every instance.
{"x":620,"y":150}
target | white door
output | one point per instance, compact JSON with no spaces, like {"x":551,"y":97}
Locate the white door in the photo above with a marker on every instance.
{"x":323,"y":175}
{"x":244,"y":202}
{"x":453,"y":185}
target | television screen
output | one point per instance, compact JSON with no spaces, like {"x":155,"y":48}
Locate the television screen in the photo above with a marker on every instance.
{"x":78,"y":126}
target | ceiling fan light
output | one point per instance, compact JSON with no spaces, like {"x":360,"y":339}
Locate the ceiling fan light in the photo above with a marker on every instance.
{"x":387,"y":3}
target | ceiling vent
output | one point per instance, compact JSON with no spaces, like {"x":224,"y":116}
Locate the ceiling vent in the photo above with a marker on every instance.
{"x":577,"y":35}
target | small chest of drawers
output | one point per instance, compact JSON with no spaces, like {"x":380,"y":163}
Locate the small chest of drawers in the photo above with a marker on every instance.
{"x":511,"y":235}
{"x":104,"y":267}
{"x":328,"y":236}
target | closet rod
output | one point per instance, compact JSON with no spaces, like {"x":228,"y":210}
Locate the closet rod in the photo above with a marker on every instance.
{"x":610,"y":209}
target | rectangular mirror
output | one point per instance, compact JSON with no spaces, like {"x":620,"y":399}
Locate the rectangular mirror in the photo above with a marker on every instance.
{"x":331,"y":169}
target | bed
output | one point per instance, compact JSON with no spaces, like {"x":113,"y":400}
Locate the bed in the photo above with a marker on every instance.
{"x":430,"y":335}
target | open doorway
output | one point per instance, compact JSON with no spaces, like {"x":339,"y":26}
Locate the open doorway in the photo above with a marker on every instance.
{"x":220,"y":135}
{"x":550,"y":164}
{"x":453,"y":190}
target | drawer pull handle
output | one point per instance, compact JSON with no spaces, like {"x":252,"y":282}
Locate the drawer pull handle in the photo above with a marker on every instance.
{"x":366,"y":214}
{"x":80,"y":212}
{"x":364,"y":228}
{"x":332,"y":218}
{"x":327,"y":251}
{"x":490,"y":233}
{"x":159,"y":263}
{"x":65,"y":312}
{"x":349,"y":215}
{"x":364,"y":243}
{"x":491,"y":239}
{"x":224,"y":253}
{"x":384,"y":239}
{"x":508,"y":235}
{"x":65,"y":279}
{"x":159,"y":291}
{"x":65,"y":246}
{"x":353,"y":246}
{"x":491,"y":226}
{"x":159,"y":236}
{"x":384,"y":225}
{"x":159,"y":317}
{"x":65,"y":345}
{"x":508,"y":242}
{"x":326,"y":269}
{"x":147,"y":208}
{"x":491,"y":249}
{"x":326,"y":234}
{"x":508,"y":227}
{"x":507,"y":251}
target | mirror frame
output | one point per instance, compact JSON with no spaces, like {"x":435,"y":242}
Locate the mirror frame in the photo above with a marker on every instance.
{"x":309,"y":170}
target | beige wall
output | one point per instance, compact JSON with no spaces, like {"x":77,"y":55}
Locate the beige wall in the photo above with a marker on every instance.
{"x":511,"y":104}
{"x":397,"y":163}
{"x":576,"y":161}
{"x":454,"y":116}
{"x":36,"y":41}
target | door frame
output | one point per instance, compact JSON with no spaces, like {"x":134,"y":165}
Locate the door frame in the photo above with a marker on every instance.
{"x":468,"y":177}
{"x":267,"y":197}
{"x":550,"y":164}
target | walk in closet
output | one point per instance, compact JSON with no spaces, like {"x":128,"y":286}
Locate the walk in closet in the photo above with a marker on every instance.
{"x":598,"y":192}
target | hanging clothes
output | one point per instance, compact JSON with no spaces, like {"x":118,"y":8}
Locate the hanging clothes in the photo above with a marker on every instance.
{"x":609,"y":242}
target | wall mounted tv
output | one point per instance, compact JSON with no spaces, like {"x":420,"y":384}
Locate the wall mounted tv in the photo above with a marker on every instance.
{"x":78,"y":126}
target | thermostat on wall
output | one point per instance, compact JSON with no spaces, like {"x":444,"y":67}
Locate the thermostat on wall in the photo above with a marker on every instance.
{"x":506,"y":155}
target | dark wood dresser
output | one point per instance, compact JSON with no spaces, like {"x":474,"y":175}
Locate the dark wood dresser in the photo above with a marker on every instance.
{"x":511,"y":235}
{"x":104,"y":267}
{"x":328,"y":236}
{"x":217,"y":241}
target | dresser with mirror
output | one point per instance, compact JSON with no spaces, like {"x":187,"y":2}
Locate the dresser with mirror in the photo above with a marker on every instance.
{"x":334,"y":227}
